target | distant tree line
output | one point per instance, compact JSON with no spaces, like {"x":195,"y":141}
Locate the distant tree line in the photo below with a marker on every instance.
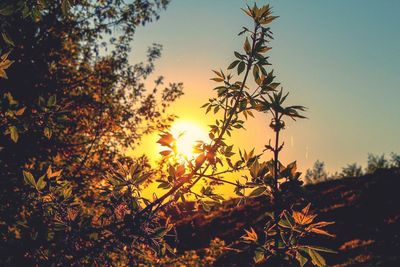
{"x":318,"y":172}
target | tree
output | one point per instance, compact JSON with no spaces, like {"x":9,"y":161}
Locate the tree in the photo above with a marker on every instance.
{"x":351,"y":170}
{"x":376,"y":162}
{"x":317,"y":173}
{"x":395,"y":160}
{"x":71,"y":101}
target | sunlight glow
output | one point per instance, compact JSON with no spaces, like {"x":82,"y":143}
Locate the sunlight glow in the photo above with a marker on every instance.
{"x":186,"y":134}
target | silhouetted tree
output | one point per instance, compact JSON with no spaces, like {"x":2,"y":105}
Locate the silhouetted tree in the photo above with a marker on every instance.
{"x":394,"y":160}
{"x":317,"y":173}
{"x":376,"y":162}
{"x":351,"y":170}
{"x":71,"y":102}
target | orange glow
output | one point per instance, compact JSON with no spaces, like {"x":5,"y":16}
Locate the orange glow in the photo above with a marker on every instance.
{"x":187,"y":133}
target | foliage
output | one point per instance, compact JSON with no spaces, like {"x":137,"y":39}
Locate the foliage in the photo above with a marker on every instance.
{"x":351,"y":170}
{"x":235,"y":102}
{"x":376,"y":162}
{"x":80,"y":199}
{"x":395,"y":160}
{"x":317,"y":173}
{"x":79,"y":103}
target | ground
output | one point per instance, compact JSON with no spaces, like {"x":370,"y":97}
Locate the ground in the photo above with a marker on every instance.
{"x":366,"y":211}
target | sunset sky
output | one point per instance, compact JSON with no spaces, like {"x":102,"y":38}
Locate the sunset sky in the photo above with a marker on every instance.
{"x":341,"y":59}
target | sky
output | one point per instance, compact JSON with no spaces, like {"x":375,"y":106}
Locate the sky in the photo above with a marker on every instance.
{"x":340,"y":59}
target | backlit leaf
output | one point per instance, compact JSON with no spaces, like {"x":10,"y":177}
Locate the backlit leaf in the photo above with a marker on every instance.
{"x":258,"y":191}
{"x":13,"y":133}
{"x":29,"y":179}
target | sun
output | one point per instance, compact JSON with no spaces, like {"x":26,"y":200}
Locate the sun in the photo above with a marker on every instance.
{"x":187,"y":133}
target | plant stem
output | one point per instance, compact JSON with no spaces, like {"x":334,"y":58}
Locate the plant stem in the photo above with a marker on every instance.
{"x":276,"y":192}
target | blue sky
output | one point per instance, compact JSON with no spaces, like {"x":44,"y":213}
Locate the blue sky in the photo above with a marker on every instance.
{"x":341,"y":59}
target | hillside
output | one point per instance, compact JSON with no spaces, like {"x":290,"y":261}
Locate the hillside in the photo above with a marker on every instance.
{"x":366,"y":211}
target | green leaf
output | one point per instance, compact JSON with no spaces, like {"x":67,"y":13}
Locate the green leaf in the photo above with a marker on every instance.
{"x":67,"y":192}
{"x":239,"y":56}
{"x":7,"y":38}
{"x":14,"y":133}
{"x":29,"y":179}
{"x":41,"y":183}
{"x":301,"y":259}
{"x":233,"y":64}
{"x":316,"y":258}
{"x":52,"y":101}
{"x":322,"y":249}
{"x":48,"y":132}
{"x":241,"y":67}
{"x":259,"y":256}
{"x":256,"y":72}
{"x":258,"y":191}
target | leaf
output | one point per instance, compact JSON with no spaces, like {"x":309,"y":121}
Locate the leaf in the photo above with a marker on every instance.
{"x":289,"y":218}
{"x":13,"y":133}
{"x":250,"y":235}
{"x":217,"y":79}
{"x":316,"y":258}
{"x":7,"y":39}
{"x":259,"y":256}
{"x":67,"y":192}
{"x":241,"y":67}
{"x":52,"y":101}
{"x":166,"y":139}
{"x":163,"y":184}
{"x":301,"y":259}
{"x":51,"y":174}
{"x":322,"y":249}
{"x":256,"y":72}
{"x":200,"y":160}
{"x":20,"y":111}
{"x":233,"y":64}
{"x":29,"y":179}
{"x":161,"y":232}
{"x":258,"y":191}
{"x":180,"y":170}
{"x":247,"y":46}
{"x":47,"y":132}
{"x":165,"y":152}
{"x":41,"y":183}
{"x":171,"y":171}
{"x":239,"y":56}
{"x":303,"y":218}
{"x":320,"y":232}
{"x":5,"y":63}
